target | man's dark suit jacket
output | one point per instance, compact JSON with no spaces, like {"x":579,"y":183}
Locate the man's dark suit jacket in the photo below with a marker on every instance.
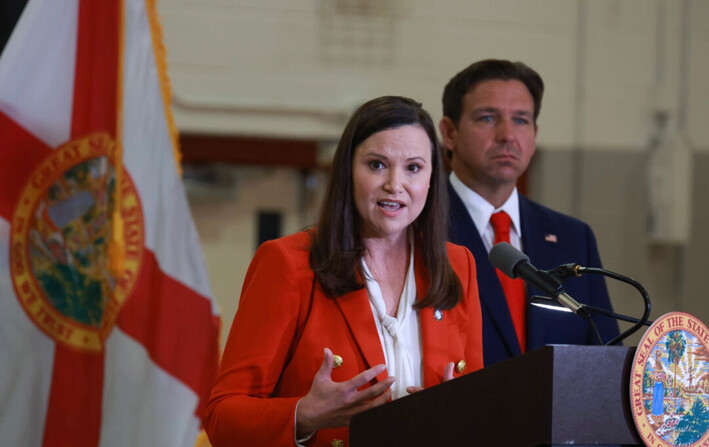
{"x":549,"y":239}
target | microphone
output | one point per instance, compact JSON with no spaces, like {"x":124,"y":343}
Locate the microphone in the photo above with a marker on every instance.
{"x":514,"y":264}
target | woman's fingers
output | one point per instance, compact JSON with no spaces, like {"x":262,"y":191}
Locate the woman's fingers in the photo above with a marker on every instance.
{"x":373,"y":391}
{"x":413,"y":389}
{"x":325,"y":370}
{"x":447,"y":375}
{"x":371,"y":403}
{"x":448,"y":372}
{"x":365,"y":376}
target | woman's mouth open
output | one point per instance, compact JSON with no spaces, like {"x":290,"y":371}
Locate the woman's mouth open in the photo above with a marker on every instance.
{"x":390,"y":206}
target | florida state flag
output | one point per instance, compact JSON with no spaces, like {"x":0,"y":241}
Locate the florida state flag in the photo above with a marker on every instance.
{"x":108,"y":334}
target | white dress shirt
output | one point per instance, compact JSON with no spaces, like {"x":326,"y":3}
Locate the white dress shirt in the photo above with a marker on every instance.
{"x":480,"y":211}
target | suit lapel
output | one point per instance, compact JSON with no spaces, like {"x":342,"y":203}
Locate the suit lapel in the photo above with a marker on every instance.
{"x":492,"y":297}
{"x":535,"y":229}
{"x":462,"y":228}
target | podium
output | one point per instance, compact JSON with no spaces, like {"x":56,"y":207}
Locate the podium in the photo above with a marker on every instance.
{"x":556,"y":395}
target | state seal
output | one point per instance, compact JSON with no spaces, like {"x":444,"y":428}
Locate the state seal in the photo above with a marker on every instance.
{"x":669,"y":382}
{"x":60,"y":230}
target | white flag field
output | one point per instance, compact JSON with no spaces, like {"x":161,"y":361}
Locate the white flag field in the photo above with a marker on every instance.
{"x":108,"y":332}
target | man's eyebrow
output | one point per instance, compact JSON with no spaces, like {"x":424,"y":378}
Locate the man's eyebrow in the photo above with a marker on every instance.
{"x":486,"y":109}
{"x":490,"y":109}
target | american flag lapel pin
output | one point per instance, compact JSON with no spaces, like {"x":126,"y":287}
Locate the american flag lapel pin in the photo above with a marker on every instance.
{"x":549,"y":237}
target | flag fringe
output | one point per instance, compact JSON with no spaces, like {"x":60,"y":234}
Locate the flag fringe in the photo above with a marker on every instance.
{"x":160,"y":53}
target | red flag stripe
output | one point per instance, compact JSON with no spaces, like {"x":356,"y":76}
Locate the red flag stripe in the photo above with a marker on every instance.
{"x":176,"y":326}
{"x":74,"y":407}
{"x":96,"y":75}
{"x":20,"y":153}
{"x":77,"y":383}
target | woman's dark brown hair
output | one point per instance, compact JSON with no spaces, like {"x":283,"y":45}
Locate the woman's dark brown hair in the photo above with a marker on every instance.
{"x":337,"y":245}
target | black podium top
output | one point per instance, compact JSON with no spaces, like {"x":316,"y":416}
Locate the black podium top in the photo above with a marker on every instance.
{"x":555,"y":395}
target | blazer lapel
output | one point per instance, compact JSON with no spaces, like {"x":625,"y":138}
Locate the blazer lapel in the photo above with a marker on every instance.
{"x":434,"y":333}
{"x":356,"y":311}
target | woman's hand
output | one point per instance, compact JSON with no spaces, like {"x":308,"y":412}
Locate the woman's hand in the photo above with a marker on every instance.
{"x":447,"y":375}
{"x":332,"y":404}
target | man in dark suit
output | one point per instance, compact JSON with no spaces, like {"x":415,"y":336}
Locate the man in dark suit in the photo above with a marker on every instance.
{"x":489,"y":128}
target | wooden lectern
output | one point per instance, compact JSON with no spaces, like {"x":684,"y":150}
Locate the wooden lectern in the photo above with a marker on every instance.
{"x":555,"y":395}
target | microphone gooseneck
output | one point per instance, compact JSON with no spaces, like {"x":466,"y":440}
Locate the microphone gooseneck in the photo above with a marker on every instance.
{"x":515,"y":264}
{"x":643,"y":320}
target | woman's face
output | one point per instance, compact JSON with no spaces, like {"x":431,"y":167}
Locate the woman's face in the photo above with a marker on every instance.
{"x":391,"y":172}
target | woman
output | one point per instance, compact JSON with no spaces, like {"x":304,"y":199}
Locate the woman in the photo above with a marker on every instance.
{"x":371,"y":305}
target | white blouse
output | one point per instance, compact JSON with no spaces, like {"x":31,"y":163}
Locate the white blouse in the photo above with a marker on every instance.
{"x":400,"y":336}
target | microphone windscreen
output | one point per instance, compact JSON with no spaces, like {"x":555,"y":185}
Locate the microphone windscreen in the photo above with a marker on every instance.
{"x":505,"y":257}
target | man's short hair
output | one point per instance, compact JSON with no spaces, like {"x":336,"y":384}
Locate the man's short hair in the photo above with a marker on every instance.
{"x":486,"y":70}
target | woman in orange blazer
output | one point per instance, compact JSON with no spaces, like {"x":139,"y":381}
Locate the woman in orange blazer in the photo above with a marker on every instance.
{"x":372,"y":305}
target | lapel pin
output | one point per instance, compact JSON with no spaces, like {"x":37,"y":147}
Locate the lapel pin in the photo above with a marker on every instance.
{"x":550,"y":238}
{"x":438,"y":314}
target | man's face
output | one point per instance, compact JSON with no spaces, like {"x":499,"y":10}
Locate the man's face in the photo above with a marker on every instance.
{"x":493,"y":142}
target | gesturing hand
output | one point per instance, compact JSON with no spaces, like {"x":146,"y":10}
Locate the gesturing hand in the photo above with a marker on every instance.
{"x":331,"y":404}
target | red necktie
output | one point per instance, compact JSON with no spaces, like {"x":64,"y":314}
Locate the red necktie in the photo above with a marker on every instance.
{"x":513,"y":288}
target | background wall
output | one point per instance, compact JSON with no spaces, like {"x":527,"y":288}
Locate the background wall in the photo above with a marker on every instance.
{"x":622,"y":142}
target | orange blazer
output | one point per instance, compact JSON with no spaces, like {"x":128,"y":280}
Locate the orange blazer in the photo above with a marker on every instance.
{"x":254,"y":398}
